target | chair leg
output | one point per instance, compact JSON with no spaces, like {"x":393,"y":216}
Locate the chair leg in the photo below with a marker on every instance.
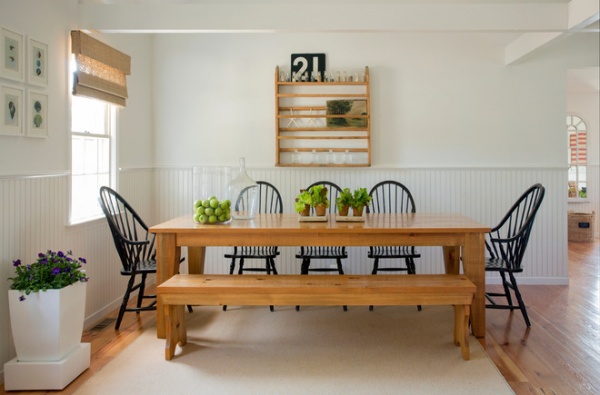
{"x":375,"y":270}
{"x":519,"y":298}
{"x":142,"y":287}
{"x":340,"y":269}
{"x":304,"y":270}
{"x":410,"y":266}
{"x":506,"y":284}
{"x":241,"y":269}
{"x":232,"y":266}
{"x":124,"y":302}
{"x":375,"y":266}
{"x":231,"y":270}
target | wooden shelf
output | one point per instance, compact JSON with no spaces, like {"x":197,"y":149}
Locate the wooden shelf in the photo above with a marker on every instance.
{"x":304,"y":126}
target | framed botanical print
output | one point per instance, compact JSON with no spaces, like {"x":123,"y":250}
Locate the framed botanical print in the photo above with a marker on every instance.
{"x":37,"y":63}
{"x":11,"y":111}
{"x":11,"y":55}
{"x":37,"y":115}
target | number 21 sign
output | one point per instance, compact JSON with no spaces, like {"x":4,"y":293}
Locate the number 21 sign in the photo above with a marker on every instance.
{"x":308,"y":62}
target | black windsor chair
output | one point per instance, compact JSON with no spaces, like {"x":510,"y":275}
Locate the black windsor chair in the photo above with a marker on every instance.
{"x":392,"y":197}
{"x":506,"y":244}
{"x":269,"y":202}
{"x":135,"y":246}
{"x":308,"y":253}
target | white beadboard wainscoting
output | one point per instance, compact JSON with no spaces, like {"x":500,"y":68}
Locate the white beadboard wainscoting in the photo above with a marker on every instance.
{"x":482,"y":194}
{"x":34,"y":214}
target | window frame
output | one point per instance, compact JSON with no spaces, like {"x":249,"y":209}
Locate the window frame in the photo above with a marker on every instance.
{"x":573,"y":123}
{"x":110,"y":128}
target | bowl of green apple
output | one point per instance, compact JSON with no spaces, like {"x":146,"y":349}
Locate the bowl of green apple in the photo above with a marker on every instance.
{"x":212,"y":211}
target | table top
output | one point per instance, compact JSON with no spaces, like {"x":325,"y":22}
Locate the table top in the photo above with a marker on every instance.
{"x":286,"y":229}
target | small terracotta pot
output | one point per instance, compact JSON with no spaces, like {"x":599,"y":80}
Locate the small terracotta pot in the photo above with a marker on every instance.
{"x":306,"y":211}
{"x":343,"y":212}
{"x":320,"y":210}
{"x":357,"y":211}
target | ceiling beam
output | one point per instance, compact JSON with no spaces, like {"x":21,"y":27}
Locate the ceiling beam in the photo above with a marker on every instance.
{"x":581,"y":14}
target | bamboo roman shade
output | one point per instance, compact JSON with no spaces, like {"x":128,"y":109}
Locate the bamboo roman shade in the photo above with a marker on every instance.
{"x":101,"y":69}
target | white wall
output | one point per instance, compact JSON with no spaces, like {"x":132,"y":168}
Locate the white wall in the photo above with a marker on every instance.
{"x":436,"y":100}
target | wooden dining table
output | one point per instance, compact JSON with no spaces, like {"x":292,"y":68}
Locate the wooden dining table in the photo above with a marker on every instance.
{"x":461,"y":238}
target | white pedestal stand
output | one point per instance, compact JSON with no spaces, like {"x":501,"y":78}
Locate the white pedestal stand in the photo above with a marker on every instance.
{"x":54,"y":375}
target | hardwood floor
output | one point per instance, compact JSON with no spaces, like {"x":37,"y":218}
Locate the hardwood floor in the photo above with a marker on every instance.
{"x":559,"y":354}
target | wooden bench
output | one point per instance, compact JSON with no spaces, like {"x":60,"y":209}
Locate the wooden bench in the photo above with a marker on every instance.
{"x":317,"y":290}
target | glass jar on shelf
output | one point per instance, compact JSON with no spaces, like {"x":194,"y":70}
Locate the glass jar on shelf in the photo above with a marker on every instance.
{"x":244,"y":194}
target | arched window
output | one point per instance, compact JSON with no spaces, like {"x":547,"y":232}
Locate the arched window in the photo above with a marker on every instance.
{"x":577,"y":135}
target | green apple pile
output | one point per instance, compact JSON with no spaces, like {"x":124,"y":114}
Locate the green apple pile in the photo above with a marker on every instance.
{"x":211,"y":210}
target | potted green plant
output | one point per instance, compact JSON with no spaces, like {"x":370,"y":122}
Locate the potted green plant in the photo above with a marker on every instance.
{"x":303,"y":203}
{"x":344,"y":201}
{"x":320,"y":201}
{"x":360,"y":199}
{"x":47,"y":306}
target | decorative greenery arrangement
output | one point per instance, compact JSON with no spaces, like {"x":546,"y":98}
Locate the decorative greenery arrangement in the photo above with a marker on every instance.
{"x":343,"y":201}
{"x":303,"y":200}
{"x":360,"y":198}
{"x":319,"y":195}
{"x":52,"y":270}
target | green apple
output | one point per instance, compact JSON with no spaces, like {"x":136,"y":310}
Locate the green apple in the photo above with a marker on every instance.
{"x":206,"y":203}
{"x":203,"y":218}
{"x":200,"y":210}
{"x":196,"y":217}
{"x":223,"y":218}
{"x":219,"y":211}
{"x":209,"y":211}
{"x":214,"y":203}
{"x":212,"y":219}
{"x":197,"y":203}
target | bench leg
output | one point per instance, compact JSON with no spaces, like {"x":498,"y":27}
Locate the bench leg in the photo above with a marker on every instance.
{"x":461,"y":329}
{"x":175,"y":329}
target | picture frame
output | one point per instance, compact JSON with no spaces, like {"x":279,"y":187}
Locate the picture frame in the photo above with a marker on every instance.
{"x":37,"y":63}
{"x":11,"y":111}
{"x":37,"y":115}
{"x":11,"y":55}
{"x":345,"y":108}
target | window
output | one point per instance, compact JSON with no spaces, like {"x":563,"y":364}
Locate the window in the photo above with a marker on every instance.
{"x":91,"y":154}
{"x":577,"y":135}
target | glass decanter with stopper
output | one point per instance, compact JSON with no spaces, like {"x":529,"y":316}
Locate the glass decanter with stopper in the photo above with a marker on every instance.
{"x":244,"y":194}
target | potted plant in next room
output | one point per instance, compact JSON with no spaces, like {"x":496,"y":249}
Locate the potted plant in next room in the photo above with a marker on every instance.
{"x":47,"y":309}
{"x":343,"y":202}
{"x":360,"y":200}
{"x":320,"y":201}
{"x":303,"y":203}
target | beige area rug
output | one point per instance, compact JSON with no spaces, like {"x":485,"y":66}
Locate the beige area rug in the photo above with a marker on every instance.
{"x":318,"y":350}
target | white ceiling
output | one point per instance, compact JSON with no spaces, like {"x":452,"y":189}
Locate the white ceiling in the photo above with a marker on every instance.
{"x":522,"y":26}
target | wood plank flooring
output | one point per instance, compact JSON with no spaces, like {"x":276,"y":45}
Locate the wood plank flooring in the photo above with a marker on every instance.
{"x":559,"y":354}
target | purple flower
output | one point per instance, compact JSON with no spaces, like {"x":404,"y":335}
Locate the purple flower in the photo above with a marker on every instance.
{"x":82,"y":260}
{"x":60,"y":254}
{"x":18,"y":262}
{"x":40,"y":255}
{"x":21,"y":298}
{"x":44,"y":261}
{"x":56,"y":271}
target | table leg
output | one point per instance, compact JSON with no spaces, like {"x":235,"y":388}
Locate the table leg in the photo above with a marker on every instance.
{"x":452,"y":259}
{"x":473,"y":260}
{"x":196,"y":260}
{"x":167,"y":265}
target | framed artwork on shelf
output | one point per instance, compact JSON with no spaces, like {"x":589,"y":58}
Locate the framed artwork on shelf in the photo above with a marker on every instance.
{"x":11,"y":112}
{"x":37,"y":63}
{"x":11,"y":55}
{"x":37,"y":115}
{"x":346,"y":107}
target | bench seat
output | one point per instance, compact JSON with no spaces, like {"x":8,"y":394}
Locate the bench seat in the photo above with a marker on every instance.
{"x":321,"y":290}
